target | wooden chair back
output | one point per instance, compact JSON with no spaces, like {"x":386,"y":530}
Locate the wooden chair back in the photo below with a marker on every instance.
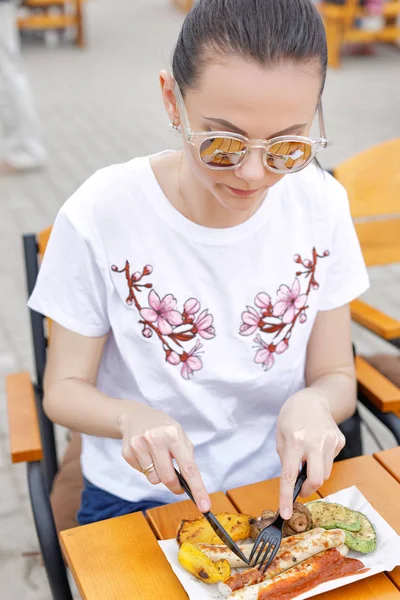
{"x":42,"y":240}
{"x":34,"y":248}
{"x":372,"y":181}
{"x":184,"y":5}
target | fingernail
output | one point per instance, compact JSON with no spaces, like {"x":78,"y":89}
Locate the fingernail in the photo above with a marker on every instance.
{"x":286,"y":513}
{"x":204,"y":506}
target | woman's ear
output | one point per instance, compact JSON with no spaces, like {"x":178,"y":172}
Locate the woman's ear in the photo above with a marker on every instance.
{"x":167,"y":83}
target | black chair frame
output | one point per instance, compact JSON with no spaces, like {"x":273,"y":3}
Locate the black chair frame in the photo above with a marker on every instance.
{"x":41,"y":473}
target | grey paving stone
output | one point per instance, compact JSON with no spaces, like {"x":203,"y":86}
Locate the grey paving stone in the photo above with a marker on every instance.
{"x":23,"y":578}
{"x":9,"y":500}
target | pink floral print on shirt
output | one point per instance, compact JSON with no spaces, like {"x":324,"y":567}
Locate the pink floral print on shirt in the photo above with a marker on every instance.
{"x":172,"y":327}
{"x":279,"y":319}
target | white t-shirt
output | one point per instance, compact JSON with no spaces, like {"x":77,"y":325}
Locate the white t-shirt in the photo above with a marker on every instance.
{"x":208,"y":325}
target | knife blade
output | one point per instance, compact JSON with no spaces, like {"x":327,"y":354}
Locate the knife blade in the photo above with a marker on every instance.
{"x":225,"y":537}
{"x":215,"y":524}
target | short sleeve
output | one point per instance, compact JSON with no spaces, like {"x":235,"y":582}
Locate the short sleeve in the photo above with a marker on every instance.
{"x":70,"y":288}
{"x":347,"y":276}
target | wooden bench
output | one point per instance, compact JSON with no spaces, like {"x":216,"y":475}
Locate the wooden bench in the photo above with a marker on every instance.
{"x":41,"y":16}
{"x":339,"y":21}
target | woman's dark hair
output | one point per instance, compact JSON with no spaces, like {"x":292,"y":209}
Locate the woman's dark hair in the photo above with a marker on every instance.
{"x":267,"y":31}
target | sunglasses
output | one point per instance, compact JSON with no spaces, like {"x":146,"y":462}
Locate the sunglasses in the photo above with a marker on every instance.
{"x":222,"y":151}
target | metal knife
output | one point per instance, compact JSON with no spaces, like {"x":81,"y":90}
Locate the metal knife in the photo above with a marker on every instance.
{"x":215,"y":524}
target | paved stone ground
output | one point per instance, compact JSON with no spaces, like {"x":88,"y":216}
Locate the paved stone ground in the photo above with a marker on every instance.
{"x":102,"y":106}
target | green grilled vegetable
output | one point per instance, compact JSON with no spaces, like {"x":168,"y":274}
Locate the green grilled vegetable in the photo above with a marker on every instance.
{"x":363,"y":540}
{"x":360,"y":533}
{"x":334,"y":516}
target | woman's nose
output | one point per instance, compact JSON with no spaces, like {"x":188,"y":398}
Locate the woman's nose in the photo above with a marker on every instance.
{"x":253,"y":168}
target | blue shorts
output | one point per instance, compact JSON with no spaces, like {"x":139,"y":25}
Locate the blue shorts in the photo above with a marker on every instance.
{"x":97,"y":505}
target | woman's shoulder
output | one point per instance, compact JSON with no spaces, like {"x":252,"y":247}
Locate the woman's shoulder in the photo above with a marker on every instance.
{"x":107,"y":193}
{"x":314,"y":181}
{"x":317,"y":191}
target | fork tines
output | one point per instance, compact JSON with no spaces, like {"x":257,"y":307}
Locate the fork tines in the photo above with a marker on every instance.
{"x":269,"y":556}
{"x":265,"y":546}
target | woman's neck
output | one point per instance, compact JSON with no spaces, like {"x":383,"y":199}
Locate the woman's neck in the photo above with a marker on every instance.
{"x":186,"y":193}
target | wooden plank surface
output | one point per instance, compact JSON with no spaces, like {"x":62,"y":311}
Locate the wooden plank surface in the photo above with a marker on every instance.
{"x":380,"y":242}
{"x":384,"y":394}
{"x":47,"y":21}
{"x":372,"y":193}
{"x":375,"y":320}
{"x":390,"y":460}
{"x":119,"y":559}
{"x":388,"y":34}
{"x":24,"y":433}
{"x":376,"y":484}
{"x":164,"y":520}
{"x":378,"y":587}
{"x":255,"y":498}
{"x":47,"y":3}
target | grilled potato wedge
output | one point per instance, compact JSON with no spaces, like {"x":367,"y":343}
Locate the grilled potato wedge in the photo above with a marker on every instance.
{"x":198,"y":564}
{"x":199,"y":531}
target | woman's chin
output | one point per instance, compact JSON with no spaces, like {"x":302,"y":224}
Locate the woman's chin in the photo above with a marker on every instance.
{"x":238,"y":203}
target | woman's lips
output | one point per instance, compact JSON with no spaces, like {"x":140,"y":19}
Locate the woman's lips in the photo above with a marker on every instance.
{"x":242,"y":193}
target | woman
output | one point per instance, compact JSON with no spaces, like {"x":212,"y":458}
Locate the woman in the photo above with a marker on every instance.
{"x":200,"y":298}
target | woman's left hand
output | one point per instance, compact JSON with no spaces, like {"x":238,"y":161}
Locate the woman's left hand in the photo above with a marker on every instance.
{"x":306,"y":431}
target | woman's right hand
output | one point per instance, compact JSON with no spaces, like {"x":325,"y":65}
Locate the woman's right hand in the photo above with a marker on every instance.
{"x":150,"y":436}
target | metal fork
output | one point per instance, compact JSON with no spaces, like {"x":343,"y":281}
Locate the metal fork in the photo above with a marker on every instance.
{"x":270,"y":538}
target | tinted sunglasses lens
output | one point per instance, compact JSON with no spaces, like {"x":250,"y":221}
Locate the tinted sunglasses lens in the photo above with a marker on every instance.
{"x":222,"y":153}
{"x":288,"y":156}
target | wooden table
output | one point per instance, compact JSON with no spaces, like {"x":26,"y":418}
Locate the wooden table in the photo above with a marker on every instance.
{"x":119,"y":559}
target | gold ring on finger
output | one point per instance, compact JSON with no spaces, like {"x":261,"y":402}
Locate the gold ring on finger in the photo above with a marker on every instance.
{"x":149,"y":469}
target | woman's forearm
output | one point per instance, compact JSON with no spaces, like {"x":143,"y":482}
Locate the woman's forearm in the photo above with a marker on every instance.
{"x":339,"y":390}
{"x":78,"y":405}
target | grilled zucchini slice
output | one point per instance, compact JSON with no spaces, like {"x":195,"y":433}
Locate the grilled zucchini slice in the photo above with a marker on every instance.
{"x":359,"y":531}
{"x":330,"y":515}
{"x":363,"y":540}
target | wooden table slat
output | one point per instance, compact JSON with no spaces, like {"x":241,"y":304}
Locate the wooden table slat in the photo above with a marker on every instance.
{"x":380,"y":489}
{"x":164,"y":520}
{"x":119,"y":559}
{"x":255,"y":498}
{"x":390,"y":460}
